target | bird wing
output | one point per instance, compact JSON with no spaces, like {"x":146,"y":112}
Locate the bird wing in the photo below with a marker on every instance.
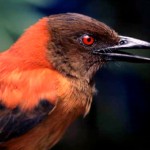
{"x":15,"y":122}
{"x":27,"y":95}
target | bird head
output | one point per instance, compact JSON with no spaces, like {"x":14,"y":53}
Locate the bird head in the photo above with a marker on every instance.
{"x":80,"y":45}
{"x":75,"y":45}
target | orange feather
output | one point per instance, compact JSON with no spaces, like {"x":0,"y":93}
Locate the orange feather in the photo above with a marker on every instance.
{"x":28,"y":70}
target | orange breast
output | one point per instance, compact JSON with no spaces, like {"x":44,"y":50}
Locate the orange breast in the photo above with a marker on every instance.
{"x":27,"y":88}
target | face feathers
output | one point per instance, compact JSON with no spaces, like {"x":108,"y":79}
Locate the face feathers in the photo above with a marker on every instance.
{"x":66,"y":50}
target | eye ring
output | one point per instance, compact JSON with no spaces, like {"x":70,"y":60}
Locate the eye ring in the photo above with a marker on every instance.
{"x":87,"y":40}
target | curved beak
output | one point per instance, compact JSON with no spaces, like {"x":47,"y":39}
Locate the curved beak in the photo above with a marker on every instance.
{"x":115,"y":53}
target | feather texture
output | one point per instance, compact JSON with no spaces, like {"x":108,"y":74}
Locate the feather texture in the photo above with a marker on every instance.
{"x":15,"y":122}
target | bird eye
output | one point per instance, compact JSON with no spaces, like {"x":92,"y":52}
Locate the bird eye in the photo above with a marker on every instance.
{"x":88,"y":40}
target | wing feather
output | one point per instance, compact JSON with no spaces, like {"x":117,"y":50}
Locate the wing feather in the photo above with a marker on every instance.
{"x":15,"y":122}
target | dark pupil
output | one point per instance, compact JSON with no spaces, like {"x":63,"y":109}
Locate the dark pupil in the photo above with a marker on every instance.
{"x":89,"y":39}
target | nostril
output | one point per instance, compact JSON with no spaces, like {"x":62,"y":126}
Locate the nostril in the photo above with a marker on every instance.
{"x":123,"y":42}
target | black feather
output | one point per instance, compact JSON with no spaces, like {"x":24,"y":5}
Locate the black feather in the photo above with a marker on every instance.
{"x":14,"y":122}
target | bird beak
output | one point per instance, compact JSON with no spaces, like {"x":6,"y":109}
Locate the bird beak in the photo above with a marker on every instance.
{"x":114,"y":53}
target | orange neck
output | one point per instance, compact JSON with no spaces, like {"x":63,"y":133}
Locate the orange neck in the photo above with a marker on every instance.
{"x":26,"y":76}
{"x":32,"y":45}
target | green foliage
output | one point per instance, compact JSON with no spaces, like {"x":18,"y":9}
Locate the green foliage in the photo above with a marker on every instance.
{"x":15,"y":17}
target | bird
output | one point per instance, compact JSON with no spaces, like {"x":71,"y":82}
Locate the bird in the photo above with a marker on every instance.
{"x":46,"y":77}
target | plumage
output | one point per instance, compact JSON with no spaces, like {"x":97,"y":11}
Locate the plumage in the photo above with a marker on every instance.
{"x":46,"y":77}
{"x":14,"y":122}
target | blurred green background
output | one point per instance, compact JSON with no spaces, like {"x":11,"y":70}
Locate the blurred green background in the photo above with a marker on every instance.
{"x":119,"y":117}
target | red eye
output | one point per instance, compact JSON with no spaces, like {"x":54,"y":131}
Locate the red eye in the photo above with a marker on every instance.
{"x":88,"y":40}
